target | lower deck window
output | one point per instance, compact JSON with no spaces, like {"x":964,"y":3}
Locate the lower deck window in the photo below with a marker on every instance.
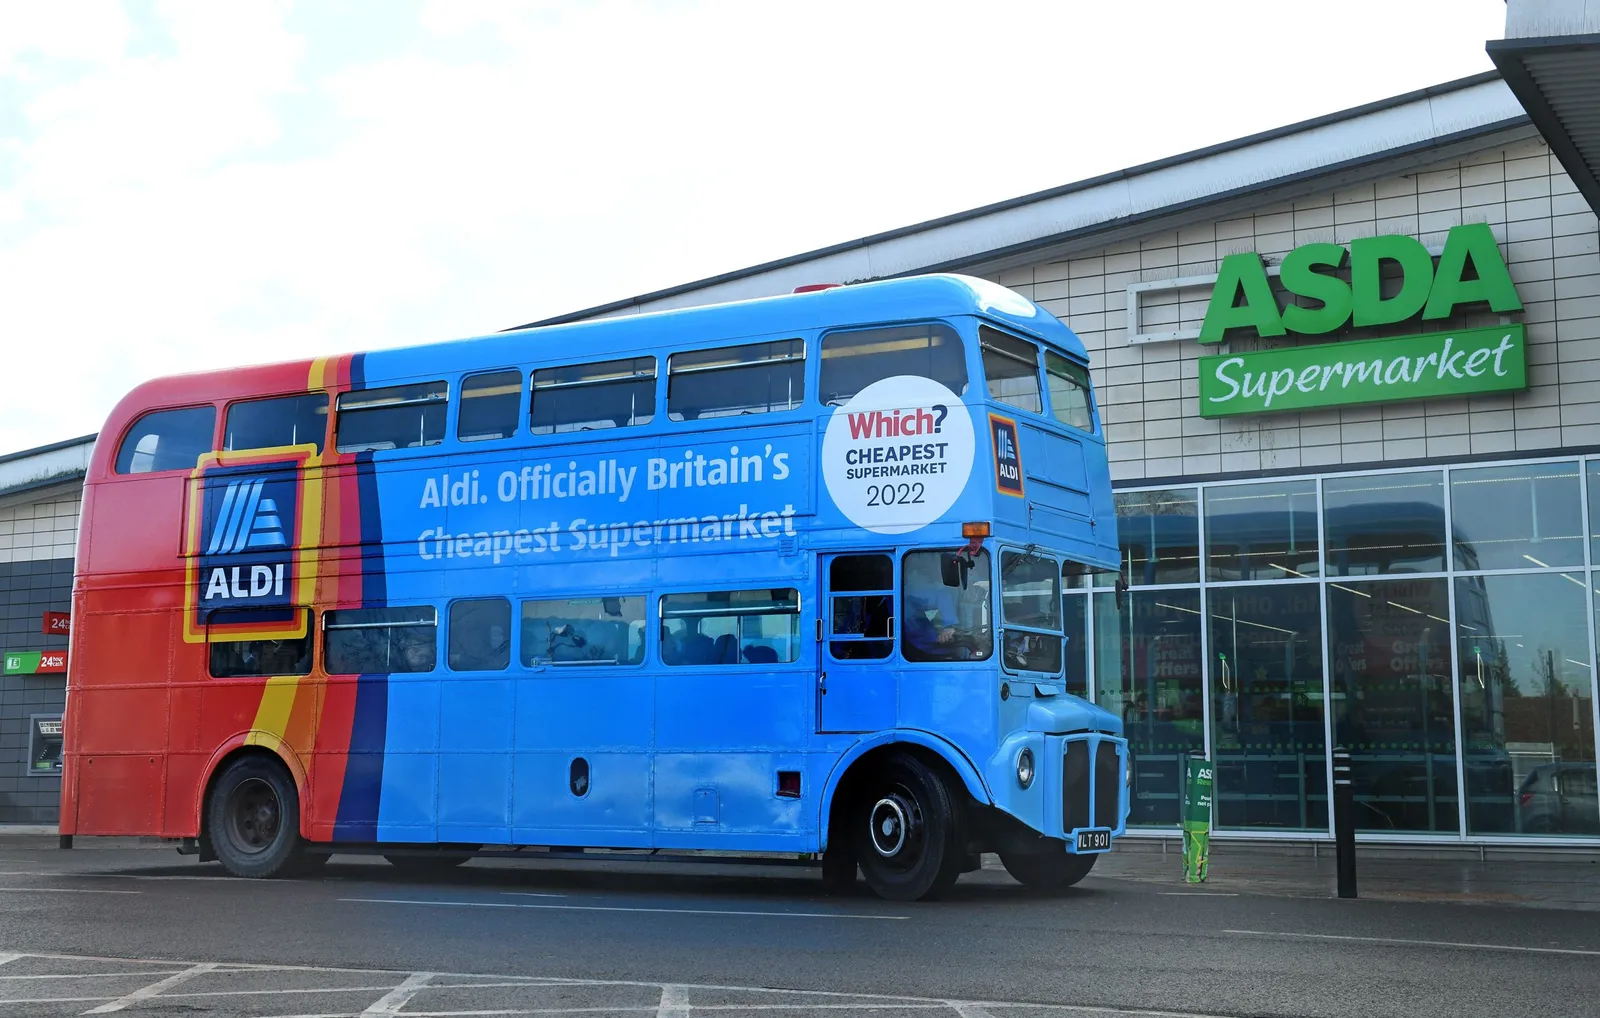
{"x":731,"y":627}
{"x":360,"y":641}
{"x":946,"y":607}
{"x":234,"y":652}
{"x":583,"y":631}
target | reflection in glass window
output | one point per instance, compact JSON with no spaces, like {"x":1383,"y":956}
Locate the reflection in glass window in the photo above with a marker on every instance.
{"x":728,"y":382}
{"x":1389,"y":644}
{"x":851,"y":361}
{"x":1594,"y":512}
{"x":1384,"y":523}
{"x":1517,"y":516}
{"x":1160,"y":536}
{"x":946,"y":622}
{"x":167,"y":440}
{"x":1266,"y":706}
{"x":1011,"y":369}
{"x":489,"y":405}
{"x":361,"y":641}
{"x":232,"y":657}
{"x":1075,"y":623}
{"x":1527,"y":703}
{"x":271,"y":423}
{"x":480,"y":635}
{"x":731,"y":627}
{"x":592,"y":397}
{"x":394,"y":417}
{"x":1147,"y":672}
{"x":1070,"y":401}
{"x":583,"y":631}
{"x":1261,"y":531}
{"x":1030,"y":596}
{"x":861,"y":607}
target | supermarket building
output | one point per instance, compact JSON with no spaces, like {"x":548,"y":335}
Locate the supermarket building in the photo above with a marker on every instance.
{"x":1394,"y":546}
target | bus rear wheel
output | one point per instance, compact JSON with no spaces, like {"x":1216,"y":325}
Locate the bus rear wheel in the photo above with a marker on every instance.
{"x":253,"y":819}
{"x":1045,"y":871}
{"x":906,"y":832}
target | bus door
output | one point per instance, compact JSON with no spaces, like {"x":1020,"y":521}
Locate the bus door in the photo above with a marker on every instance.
{"x":856,"y":660}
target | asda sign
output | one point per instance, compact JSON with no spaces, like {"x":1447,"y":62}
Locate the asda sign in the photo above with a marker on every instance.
{"x":1470,"y":275}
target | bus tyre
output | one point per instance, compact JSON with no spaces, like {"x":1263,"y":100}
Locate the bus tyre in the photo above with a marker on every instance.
{"x":1046,"y":871}
{"x":253,"y":819}
{"x":907,"y":832}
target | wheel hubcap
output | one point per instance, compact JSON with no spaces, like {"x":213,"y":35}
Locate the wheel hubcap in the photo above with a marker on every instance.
{"x":889,"y":824}
{"x":255,"y":816}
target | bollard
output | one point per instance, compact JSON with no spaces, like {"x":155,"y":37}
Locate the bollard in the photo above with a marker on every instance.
{"x":1344,"y":825}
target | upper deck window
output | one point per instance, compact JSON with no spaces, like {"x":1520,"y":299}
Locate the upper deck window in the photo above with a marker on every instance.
{"x":1011,"y":367}
{"x":1069,"y":391}
{"x":589,"y":397}
{"x":394,"y":417}
{"x":734,"y":380}
{"x":167,"y":440}
{"x":851,"y":361}
{"x":271,"y":423}
{"x":489,"y":405}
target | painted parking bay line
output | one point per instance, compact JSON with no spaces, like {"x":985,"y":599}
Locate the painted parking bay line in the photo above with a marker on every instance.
{"x":63,"y":890}
{"x":614,"y":908}
{"x":1521,"y":949}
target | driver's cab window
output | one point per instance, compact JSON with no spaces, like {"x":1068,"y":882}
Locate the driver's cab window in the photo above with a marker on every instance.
{"x":947,"y":606}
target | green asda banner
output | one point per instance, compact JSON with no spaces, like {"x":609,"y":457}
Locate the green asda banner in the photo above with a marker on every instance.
{"x":1196,"y":819}
{"x":1469,"y":362}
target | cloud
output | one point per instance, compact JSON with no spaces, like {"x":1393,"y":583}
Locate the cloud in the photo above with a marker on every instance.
{"x":196,"y":185}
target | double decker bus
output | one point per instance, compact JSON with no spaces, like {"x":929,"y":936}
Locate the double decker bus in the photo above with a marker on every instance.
{"x":781,"y":576}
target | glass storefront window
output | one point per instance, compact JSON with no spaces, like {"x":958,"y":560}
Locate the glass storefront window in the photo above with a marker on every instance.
{"x":1147,"y":672}
{"x":1516,"y":516}
{"x":1384,"y":523}
{"x":1261,"y":531}
{"x":1160,"y":536}
{"x":1594,"y":512}
{"x":1527,"y":704}
{"x":1268,"y":741}
{"x":1389,"y":643}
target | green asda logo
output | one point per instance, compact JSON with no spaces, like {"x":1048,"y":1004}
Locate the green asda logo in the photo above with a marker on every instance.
{"x":1470,"y":271}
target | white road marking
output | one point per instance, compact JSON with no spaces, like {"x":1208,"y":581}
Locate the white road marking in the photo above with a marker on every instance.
{"x":674,"y":1002}
{"x":967,"y":1009}
{"x":1199,"y":894}
{"x":63,"y":890}
{"x":533,"y":894}
{"x":7,"y":958}
{"x":92,"y":975}
{"x":1417,"y":943}
{"x":395,"y":999}
{"x":154,"y":989}
{"x":615,"y":908}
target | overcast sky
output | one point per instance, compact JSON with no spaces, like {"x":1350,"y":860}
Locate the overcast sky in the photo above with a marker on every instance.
{"x":195,"y":185}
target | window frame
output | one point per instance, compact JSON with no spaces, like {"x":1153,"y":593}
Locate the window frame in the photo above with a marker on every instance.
{"x":534,"y":388}
{"x":326,"y":627}
{"x":116,"y":469}
{"x":1088,"y":391}
{"x":855,"y":330}
{"x":798,"y":402}
{"x":461,"y":404}
{"x":309,"y":637}
{"x":340,"y":410}
{"x":538,"y":664}
{"x":450,"y":628}
{"x":903,"y":602}
{"x":1038,"y":366}
{"x":1004,"y":625}
{"x":831,"y":638}
{"x":798,"y":614}
{"x":227,"y":417}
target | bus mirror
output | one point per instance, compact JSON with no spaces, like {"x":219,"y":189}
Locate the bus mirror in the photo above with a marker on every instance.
{"x":953,"y":570}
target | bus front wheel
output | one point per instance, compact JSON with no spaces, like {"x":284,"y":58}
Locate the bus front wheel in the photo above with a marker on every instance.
{"x":1046,"y":871}
{"x":253,"y":818}
{"x":906,"y":832}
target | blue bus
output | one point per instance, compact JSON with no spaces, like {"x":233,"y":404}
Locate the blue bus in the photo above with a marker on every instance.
{"x":776,"y":576}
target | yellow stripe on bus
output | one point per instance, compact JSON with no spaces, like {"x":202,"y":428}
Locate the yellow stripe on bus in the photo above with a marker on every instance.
{"x":277,"y":701}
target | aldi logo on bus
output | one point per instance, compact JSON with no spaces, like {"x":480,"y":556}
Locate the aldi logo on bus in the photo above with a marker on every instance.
{"x":246,"y":553}
{"x":1007,"y":455}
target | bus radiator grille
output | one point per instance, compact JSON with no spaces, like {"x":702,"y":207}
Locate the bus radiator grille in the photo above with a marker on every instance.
{"x":1107,"y":785}
{"x":1075,"y":787}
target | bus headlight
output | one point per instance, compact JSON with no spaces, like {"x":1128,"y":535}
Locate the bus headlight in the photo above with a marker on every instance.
{"x":1025,"y":767}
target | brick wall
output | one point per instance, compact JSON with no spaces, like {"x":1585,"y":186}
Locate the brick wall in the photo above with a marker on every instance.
{"x":1150,"y":392}
{"x":36,"y":549}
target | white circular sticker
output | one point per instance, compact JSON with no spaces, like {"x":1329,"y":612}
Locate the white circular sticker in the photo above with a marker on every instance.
{"x":897,"y":456}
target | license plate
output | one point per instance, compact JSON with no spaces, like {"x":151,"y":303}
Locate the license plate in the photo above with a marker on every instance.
{"x":1094,"y":841}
